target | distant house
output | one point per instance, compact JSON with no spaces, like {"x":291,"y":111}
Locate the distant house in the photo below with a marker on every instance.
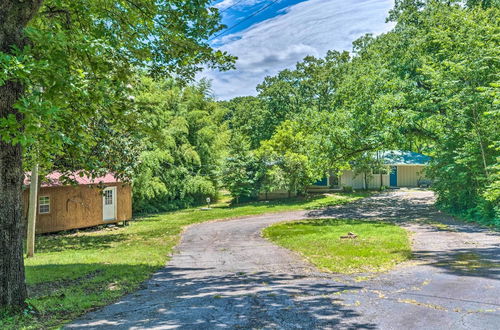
{"x":89,"y":202}
{"x":405,"y":169}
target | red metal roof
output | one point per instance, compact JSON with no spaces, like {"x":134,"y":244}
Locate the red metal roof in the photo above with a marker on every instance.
{"x":54,"y":179}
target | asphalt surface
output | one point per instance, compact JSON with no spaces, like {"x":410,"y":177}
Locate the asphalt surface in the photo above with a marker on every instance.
{"x":225,"y":275}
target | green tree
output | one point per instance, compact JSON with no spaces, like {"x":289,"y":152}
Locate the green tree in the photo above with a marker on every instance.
{"x":241,"y":173}
{"x":247,"y":115}
{"x":311,"y":86}
{"x":184,"y":141}
{"x":63,"y":63}
{"x":455,"y":66}
{"x":289,"y":167}
{"x":365,"y":165}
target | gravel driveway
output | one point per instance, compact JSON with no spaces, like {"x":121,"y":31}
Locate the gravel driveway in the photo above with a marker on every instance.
{"x":225,"y":275}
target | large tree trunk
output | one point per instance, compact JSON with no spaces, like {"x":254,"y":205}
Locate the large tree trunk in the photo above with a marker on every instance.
{"x":14,"y":16}
{"x":12,"y":287}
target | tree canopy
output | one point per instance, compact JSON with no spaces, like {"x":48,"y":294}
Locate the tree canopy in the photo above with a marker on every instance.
{"x":65,"y":72}
{"x":429,"y":85}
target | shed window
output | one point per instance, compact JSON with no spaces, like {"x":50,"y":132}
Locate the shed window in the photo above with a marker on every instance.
{"x":108,"y":197}
{"x":44,"y":204}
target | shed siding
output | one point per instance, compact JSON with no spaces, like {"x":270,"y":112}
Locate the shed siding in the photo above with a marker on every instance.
{"x":80,"y":206}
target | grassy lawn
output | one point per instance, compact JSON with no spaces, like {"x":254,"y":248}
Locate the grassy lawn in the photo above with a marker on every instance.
{"x":73,"y":273}
{"x":378,"y":247}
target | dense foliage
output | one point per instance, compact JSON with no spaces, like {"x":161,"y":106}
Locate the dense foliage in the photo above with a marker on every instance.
{"x":449,"y":59}
{"x":183,"y":141}
{"x":242,"y":171}
{"x":65,"y":67}
{"x":79,"y":64}
{"x":430,"y":85}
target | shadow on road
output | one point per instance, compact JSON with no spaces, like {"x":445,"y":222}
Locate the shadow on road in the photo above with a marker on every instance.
{"x":473,"y":261}
{"x":185,"y":298}
{"x":205,"y":298}
{"x":477,"y":262}
{"x":385,"y":206}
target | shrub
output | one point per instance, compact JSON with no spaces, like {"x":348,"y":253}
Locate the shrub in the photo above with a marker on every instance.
{"x":347,"y":189}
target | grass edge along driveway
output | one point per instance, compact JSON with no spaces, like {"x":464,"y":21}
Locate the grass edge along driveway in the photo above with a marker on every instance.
{"x":73,"y":273}
{"x":379,"y":246}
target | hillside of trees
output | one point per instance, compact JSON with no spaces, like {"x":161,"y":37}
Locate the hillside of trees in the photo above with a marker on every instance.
{"x":430,"y":85}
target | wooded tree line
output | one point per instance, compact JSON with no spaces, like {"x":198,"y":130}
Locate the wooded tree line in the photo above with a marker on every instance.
{"x":104,"y":86}
{"x":430,"y":85}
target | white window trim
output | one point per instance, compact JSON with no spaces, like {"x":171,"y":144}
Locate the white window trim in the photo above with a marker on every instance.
{"x":47,"y":204}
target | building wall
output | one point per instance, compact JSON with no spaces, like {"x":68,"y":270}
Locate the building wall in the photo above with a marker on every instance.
{"x":408,"y":176}
{"x":79,"y":207}
{"x":348,"y":179}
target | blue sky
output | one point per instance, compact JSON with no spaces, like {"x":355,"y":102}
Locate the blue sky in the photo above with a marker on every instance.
{"x":284,"y":33}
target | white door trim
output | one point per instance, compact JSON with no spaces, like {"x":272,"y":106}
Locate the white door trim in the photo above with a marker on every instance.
{"x":105,"y":206}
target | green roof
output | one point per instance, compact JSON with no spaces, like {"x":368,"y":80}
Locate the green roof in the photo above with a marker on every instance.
{"x":398,"y":157}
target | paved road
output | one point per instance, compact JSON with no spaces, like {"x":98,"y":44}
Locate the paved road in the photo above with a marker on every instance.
{"x":225,"y":275}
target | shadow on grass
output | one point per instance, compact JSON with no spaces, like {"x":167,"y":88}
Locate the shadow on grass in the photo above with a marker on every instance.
{"x":277,"y":202}
{"x":336,"y":222}
{"x":293,"y":201}
{"x":196,"y":298}
{"x":301,"y":200}
{"x":64,"y":242}
{"x":65,"y":291}
{"x":50,"y":278}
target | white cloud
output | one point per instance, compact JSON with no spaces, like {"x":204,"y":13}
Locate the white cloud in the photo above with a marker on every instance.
{"x":308,"y":28}
{"x":224,"y":4}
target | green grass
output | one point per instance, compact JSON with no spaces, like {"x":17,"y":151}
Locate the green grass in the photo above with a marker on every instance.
{"x":378,"y":247}
{"x":73,"y":273}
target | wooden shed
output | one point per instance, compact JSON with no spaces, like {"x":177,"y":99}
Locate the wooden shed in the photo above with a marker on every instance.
{"x":89,"y":202}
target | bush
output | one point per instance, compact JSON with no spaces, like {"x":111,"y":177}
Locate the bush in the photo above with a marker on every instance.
{"x":347,"y":189}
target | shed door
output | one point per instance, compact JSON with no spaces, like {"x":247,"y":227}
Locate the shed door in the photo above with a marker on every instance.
{"x":322,"y":182}
{"x":393,"y":177}
{"x":109,"y":204}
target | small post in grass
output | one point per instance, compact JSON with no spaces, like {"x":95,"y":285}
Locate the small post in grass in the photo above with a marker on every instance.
{"x":208,"y":205}
{"x":32,"y":210}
